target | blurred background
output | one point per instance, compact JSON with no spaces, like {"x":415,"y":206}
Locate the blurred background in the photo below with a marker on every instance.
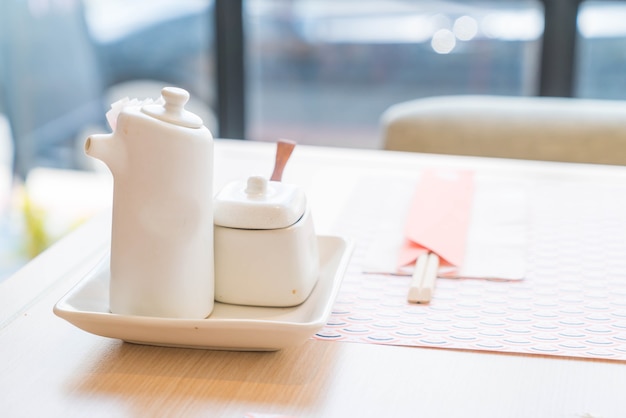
{"x":320,"y":72}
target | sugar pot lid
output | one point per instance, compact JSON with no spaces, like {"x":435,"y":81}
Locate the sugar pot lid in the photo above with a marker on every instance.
{"x":259,"y":204}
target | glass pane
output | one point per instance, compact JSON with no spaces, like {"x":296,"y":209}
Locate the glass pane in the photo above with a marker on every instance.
{"x":62,"y":63}
{"x":323,"y":71}
{"x":601,"y":53}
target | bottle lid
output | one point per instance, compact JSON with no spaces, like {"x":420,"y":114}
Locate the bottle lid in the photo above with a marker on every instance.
{"x":258,"y":204}
{"x":173,"y":111}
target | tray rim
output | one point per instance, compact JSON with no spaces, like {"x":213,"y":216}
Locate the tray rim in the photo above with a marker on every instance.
{"x":285,"y":332}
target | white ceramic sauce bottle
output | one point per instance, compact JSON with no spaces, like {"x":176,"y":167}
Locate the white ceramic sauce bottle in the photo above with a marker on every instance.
{"x":161,"y":158}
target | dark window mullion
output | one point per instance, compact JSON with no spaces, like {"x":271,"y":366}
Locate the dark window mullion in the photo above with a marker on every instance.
{"x":559,"y":48}
{"x":229,"y":51}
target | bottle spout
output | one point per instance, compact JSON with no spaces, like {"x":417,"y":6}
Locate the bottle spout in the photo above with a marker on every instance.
{"x":101,"y":147}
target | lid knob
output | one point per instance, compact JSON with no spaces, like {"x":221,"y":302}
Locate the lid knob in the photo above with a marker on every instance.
{"x":175,"y":99}
{"x":256,"y":186}
{"x":173,"y":111}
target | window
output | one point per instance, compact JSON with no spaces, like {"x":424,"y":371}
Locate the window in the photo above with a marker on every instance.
{"x":323,"y":71}
{"x":601,"y":55}
{"x":317,"y":71}
{"x":62,"y":62}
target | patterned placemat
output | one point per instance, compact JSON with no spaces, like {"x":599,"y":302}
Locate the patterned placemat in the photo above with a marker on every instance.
{"x":572,"y":301}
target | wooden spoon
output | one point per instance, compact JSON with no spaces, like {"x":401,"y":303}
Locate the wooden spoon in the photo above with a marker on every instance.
{"x":284,"y":148}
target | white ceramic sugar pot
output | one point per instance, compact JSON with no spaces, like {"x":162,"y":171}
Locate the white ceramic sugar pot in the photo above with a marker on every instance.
{"x":266,"y":250}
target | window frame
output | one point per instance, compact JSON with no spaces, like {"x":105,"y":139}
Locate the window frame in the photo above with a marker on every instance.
{"x":556,"y":74}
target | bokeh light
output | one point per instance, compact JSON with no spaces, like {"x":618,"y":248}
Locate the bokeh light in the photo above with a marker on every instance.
{"x":465,"y":28}
{"x":443,"y":41}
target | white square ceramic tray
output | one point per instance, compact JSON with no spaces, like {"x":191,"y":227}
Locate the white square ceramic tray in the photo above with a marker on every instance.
{"x":229,"y":327}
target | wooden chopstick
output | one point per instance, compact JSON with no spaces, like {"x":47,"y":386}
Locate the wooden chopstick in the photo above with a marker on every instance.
{"x":424,"y":276}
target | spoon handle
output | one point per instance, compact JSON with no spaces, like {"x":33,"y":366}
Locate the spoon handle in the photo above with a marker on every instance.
{"x":284,"y":148}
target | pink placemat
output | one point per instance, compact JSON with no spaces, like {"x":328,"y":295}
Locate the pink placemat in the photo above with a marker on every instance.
{"x":572,"y":301}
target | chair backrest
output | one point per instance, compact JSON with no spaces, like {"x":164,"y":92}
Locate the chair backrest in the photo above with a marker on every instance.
{"x":534,"y":128}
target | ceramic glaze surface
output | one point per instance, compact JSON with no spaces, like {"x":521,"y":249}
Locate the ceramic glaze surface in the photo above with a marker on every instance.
{"x":266,"y":252}
{"x":266,"y":267}
{"x":162,"y":236}
{"x":259,"y":204}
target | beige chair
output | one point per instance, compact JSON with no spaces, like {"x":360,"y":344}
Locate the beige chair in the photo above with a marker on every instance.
{"x":535,"y":128}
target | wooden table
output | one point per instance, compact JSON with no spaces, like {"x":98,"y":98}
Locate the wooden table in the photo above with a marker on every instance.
{"x":49,"y":368}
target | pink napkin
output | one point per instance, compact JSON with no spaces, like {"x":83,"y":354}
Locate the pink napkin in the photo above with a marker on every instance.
{"x":439,"y":217}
